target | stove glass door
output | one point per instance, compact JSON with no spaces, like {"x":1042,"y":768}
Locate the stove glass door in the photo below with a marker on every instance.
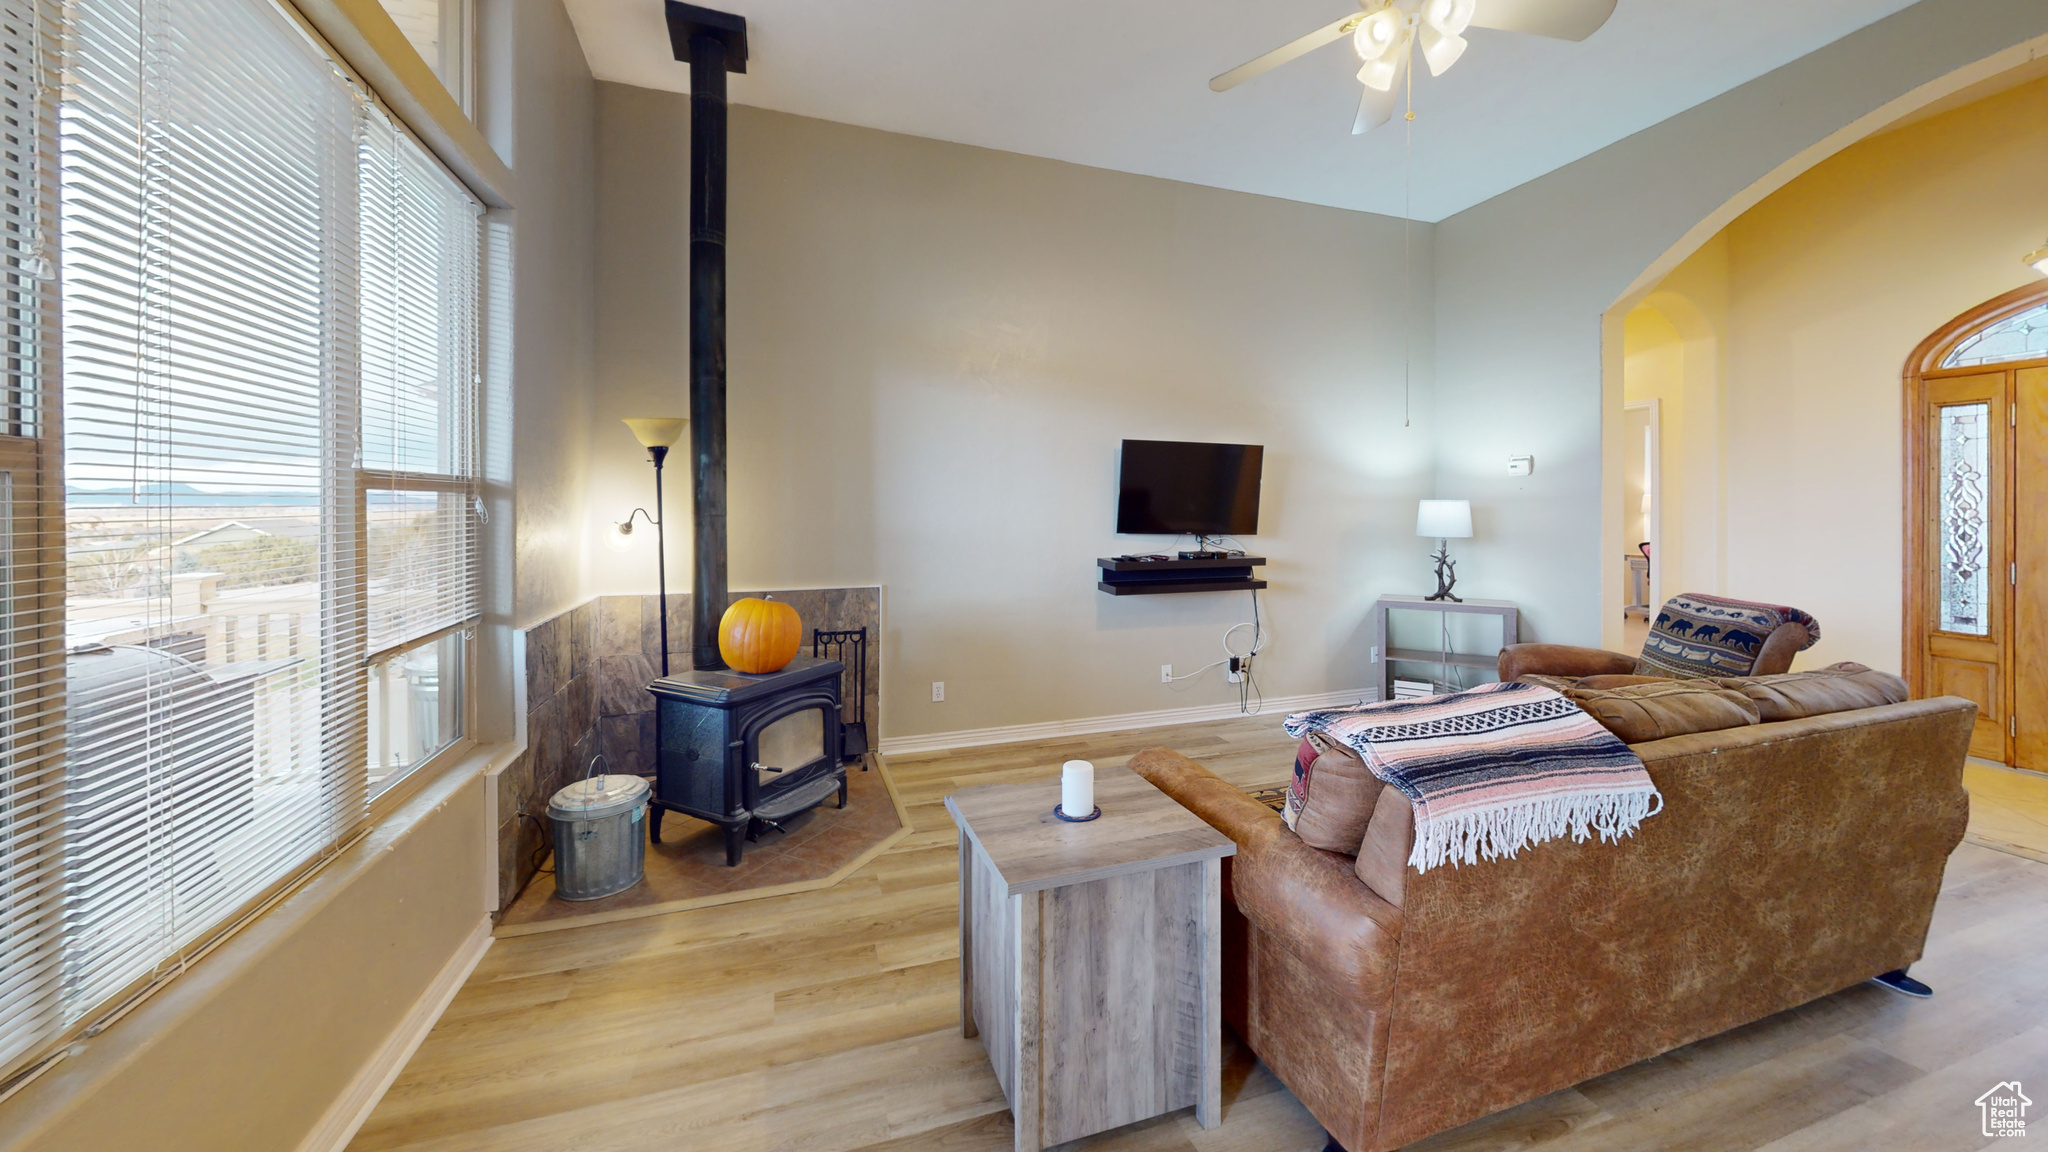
{"x":788,"y":744}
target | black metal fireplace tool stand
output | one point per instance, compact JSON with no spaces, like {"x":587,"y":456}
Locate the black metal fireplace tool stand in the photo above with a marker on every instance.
{"x":849,"y":646}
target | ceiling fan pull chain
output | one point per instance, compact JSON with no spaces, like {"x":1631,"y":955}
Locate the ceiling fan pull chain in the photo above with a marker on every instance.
{"x":1411,"y":81}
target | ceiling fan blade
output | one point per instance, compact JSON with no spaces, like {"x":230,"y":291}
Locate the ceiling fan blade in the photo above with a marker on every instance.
{"x":1286,"y":52}
{"x":1557,"y":19}
{"x":1376,"y":107}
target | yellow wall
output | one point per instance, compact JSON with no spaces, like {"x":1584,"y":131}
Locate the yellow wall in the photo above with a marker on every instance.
{"x":1672,"y":347}
{"x":1815,"y":297}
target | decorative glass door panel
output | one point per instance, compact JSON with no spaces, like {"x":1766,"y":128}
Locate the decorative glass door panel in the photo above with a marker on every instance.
{"x":1966,"y":565}
{"x":1963,"y":518}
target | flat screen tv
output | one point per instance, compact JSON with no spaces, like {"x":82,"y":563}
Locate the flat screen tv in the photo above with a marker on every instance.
{"x":1168,"y":486}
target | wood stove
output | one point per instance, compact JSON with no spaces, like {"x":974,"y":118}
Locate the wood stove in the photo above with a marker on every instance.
{"x":747,"y":752}
{"x":744,"y":752}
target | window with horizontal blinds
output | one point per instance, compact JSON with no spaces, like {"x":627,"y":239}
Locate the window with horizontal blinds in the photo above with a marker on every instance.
{"x":31,"y":554}
{"x":267,"y":321}
{"x":419,"y":281}
{"x":209,"y":336}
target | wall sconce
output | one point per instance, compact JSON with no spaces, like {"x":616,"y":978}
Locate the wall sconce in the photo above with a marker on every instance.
{"x":2037,"y":259}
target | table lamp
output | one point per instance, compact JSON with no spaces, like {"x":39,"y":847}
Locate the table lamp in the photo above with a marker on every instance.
{"x":1444,"y":519}
{"x":657,"y":434}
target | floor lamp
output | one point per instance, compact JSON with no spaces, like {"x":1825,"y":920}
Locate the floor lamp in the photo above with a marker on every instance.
{"x":657,"y":434}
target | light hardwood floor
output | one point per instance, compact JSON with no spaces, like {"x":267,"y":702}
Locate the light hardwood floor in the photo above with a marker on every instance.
{"x":827,"y":1021}
{"x":2008,"y":808}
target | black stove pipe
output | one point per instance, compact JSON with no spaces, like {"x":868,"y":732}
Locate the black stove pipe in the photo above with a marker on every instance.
{"x":713,"y":43}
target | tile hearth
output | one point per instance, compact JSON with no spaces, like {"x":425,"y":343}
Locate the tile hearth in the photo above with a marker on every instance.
{"x":688,"y":870}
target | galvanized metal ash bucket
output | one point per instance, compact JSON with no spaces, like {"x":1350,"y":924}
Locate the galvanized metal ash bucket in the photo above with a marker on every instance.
{"x":600,"y":836}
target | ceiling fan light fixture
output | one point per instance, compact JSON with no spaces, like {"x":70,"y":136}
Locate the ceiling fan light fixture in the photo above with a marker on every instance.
{"x":1450,"y":17}
{"x":1378,"y":75}
{"x":1378,"y":34}
{"x":1441,"y":49}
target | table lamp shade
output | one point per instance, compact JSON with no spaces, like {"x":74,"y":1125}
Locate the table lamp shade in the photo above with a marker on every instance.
{"x":1444,"y":518}
{"x":656,"y":431}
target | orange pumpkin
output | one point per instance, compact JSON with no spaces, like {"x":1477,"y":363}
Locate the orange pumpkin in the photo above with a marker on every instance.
{"x":759,"y":635}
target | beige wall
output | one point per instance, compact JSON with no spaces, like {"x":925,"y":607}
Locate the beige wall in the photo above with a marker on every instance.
{"x":935,"y":351}
{"x":1826,"y":287}
{"x":1526,"y":280}
{"x":538,"y":108}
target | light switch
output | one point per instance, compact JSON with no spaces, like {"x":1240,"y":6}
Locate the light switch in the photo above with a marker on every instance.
{"x":1521,"y":465}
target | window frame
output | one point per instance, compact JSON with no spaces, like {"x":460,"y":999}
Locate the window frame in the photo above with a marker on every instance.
{"x":37,"y":523}
{"x":388,"y":480}
{"x":402,"y":480}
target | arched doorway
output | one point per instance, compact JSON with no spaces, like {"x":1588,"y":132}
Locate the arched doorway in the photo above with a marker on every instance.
{"x":1976,"y":521}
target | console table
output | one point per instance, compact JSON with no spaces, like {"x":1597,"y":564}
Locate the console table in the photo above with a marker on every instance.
{"x":1638,"y":585}
{"x":1091,"y":954}
{"x":1386,"y":656}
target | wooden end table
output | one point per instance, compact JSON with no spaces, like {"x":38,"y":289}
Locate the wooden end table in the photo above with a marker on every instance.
{"x":1091,"y":955}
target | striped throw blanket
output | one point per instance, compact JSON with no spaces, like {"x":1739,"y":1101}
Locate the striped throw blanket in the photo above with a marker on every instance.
{"x":1493,"y":769}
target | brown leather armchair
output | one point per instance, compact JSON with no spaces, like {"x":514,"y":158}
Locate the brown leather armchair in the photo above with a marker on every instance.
{"x":1690,"y":624}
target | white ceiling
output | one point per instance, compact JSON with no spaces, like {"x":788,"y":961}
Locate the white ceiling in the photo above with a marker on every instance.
{"x":1123,"y":84}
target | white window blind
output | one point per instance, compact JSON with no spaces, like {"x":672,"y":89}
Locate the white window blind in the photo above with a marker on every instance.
{"x":268,"y":321}
{"x":419,"y":305}
{"x":208,"y":157}
{"x":31,"y":571}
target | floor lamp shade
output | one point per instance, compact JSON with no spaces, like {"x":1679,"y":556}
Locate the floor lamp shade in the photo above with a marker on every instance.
{"x":656,"y":431}
{"x":1444,"y":519}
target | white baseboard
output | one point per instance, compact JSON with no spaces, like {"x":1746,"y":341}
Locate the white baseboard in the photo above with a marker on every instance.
{"x":1275,"y":707}
{"x":347,"y":1114}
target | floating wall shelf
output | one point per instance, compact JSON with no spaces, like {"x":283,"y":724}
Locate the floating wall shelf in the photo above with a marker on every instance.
{"x":1160,"y":577}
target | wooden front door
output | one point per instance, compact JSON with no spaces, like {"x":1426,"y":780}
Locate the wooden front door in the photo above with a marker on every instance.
{"x":1966,"y":637}
{"x":1977,"y":523}
{"x":2029,"y":657}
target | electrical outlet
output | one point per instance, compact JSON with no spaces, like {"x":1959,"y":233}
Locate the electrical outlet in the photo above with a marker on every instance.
{"x":938,"y":691}
{"x":1166,"y":673}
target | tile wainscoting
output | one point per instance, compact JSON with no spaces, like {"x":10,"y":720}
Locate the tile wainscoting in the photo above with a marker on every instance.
{"x":587,"y":672}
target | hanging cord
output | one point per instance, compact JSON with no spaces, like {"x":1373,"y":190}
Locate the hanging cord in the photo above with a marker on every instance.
{"x":1454,"y":677}
{"x":1407,"y":222}
{"x":1248,"y":685}
{"x":1244,"y":659}
{"x":540,"y":850}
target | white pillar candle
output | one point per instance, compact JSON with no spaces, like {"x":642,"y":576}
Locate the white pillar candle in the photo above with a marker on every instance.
{"x":1077,"y":788}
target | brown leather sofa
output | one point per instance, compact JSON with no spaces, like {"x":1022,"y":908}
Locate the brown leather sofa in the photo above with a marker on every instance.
{"x":1791,"y":860}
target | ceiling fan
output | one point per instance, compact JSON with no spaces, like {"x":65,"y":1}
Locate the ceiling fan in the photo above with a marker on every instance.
{"x":1385,"y":33}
